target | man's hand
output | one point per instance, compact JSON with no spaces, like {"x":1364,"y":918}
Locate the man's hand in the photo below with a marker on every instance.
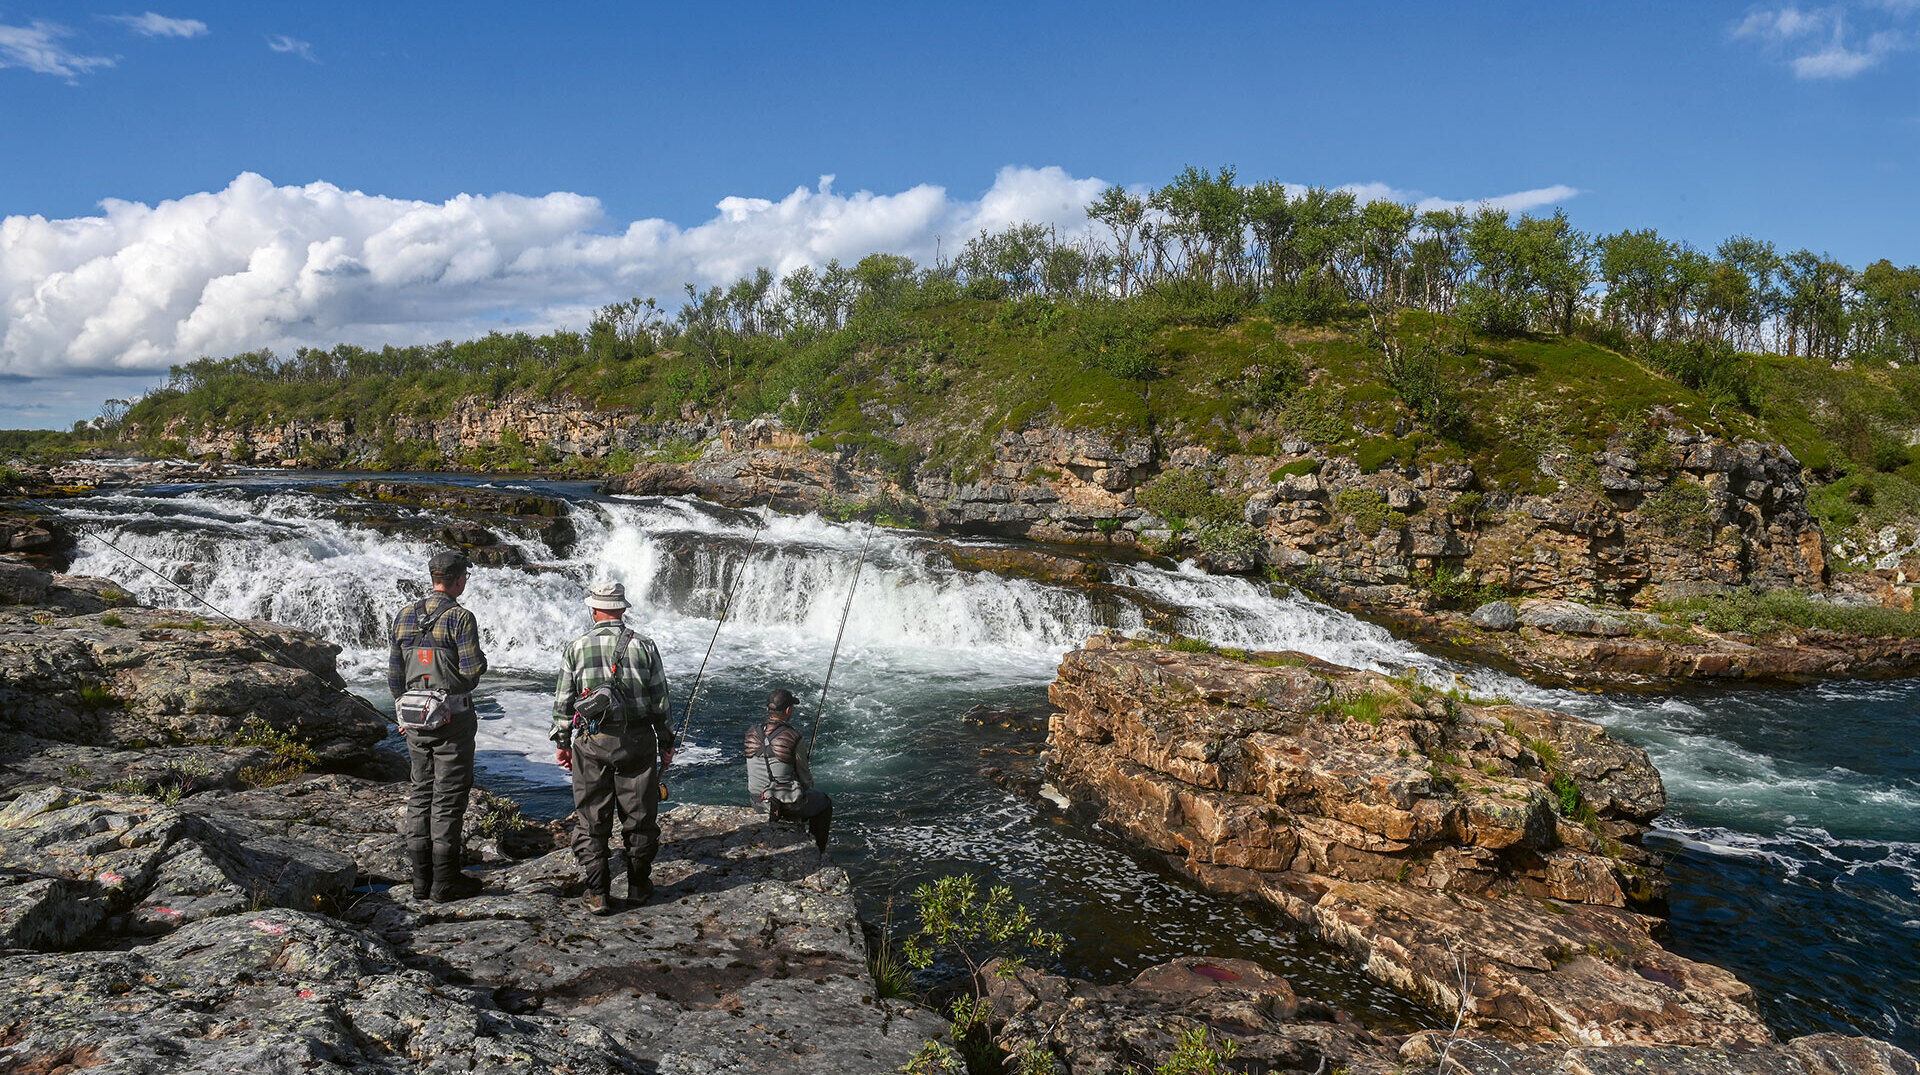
{"x":564,"y":757}
{"x":666,"y":758}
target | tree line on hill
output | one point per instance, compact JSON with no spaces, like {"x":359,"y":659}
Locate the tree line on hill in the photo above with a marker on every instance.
{"x":1205,"y":248}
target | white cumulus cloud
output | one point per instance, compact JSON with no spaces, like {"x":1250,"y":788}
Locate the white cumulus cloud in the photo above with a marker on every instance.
{"x":39,"y":47}
{"x":151,"y":24}
{"x":255,"y":264}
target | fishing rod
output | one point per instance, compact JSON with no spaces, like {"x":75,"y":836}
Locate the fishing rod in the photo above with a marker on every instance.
{"x":821,"y":708}
{"x":726,"y":609}
{"x":266,"y":643}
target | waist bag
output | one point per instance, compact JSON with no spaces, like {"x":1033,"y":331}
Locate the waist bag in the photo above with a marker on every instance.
{"x":593,"y":707}
{"x":428,"y":705}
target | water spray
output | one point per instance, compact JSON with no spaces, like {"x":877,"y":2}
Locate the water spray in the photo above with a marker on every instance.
{"x":266,"y":643}
{"x":726,"y":608}
{"x":814,"y":735}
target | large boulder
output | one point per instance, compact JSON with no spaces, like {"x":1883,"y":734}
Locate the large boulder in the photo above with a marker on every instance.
{"x":1428,"y":835}
{"x":79,"y":669}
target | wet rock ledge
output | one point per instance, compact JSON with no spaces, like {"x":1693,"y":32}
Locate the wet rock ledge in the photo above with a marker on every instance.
{"x":202,"y":870}
{"x":1481,"y":858}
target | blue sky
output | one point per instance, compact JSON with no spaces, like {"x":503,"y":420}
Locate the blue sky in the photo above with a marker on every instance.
{"x":616,"y":130}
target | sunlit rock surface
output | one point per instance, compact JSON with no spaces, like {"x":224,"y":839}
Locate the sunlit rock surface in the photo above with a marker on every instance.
{"x":1422,"y":833}
{"x":280,"y":945}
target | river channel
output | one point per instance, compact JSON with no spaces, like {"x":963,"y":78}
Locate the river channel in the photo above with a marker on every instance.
{"x":1793,"y":820}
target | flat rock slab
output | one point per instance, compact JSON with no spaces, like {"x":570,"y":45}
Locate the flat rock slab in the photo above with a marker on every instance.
{"x":189,"y":937}
{"x":276,"y":991}
{"x":749,"y":958}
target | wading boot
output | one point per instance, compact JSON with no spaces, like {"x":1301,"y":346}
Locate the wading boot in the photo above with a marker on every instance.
{"x":599,"y":885}
{"x":450,"y":882}
{"x":423,"y":875}
{"x":639,"y":881}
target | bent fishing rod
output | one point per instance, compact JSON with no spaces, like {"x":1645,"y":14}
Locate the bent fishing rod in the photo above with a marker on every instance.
{"x":821,"y":708}
{"x":266,"y":643}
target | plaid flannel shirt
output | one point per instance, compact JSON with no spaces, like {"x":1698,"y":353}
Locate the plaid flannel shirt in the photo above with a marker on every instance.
{"x":455,"y":629}
{"x":643,"y":680}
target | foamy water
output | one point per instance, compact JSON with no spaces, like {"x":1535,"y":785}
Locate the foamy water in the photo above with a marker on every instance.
{"x":1771,"y":812}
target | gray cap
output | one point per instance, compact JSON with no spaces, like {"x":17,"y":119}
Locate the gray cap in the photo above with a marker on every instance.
{"x":608,"y":597}
{"x":447,"y":565}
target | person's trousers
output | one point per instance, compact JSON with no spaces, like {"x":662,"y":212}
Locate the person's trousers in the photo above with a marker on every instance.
{"x":814,"y":808}
{"x":442,"y":781}
{"x":615,"y":775}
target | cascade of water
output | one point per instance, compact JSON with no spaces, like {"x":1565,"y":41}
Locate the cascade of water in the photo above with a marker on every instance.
{"x":927,"y":636}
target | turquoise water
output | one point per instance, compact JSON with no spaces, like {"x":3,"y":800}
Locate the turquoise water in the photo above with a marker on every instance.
{"x":1793,"y":813}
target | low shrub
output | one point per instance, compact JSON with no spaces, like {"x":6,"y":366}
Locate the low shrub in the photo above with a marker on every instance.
{"x":1780,"y":611}
{"x":1367,"y":510}
{"x":1681,"y":511}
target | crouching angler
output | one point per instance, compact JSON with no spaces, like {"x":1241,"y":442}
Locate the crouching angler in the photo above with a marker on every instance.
{"x":611,"y":729}
{"x":779,"y":773}
{"x":433,"y":665}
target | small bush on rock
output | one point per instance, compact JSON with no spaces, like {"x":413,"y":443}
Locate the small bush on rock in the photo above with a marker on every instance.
{"x":1368,"y":511}
{"x":1196,"y":1055}
{"x":1181,"y":496}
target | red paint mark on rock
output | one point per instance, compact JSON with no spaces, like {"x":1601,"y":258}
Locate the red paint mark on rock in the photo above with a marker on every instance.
{"x":1218,"y":974}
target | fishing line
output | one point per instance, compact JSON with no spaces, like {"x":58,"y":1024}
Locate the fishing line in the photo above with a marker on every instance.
{"x":286,"y":658}
{"x":726,"y":610}
{"x":821,"y":708}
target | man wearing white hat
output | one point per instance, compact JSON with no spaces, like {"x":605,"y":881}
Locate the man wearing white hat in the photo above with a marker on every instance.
{"x":611,"y":728}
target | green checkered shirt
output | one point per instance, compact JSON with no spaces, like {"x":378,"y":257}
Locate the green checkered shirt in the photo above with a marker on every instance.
{"x":643,"y":680}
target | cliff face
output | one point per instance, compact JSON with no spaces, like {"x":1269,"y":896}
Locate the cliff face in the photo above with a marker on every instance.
{"x":1671,"y":512}
{"x":1429,"y":836}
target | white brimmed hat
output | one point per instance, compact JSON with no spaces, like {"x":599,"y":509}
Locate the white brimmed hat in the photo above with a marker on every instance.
{"x":608,"y":597}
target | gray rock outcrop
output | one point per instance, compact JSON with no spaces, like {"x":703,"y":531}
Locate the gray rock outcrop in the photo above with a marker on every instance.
{"x":257,"y":931}
{"x":85,"y":665}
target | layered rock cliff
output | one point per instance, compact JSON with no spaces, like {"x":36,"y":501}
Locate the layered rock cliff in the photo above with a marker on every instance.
{"x":1657,"y":512}
{"x":1483,"y":858}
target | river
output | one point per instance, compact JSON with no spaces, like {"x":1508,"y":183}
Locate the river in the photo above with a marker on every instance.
{"x":1793,"y":813}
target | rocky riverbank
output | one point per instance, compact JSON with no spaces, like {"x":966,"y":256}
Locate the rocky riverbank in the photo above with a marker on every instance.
{"x":1482,"y":858}
{"x":201,"y":869}
{"x":264,"y":930}
{"x":1567,"y":643}
{"x":1662,"y":510}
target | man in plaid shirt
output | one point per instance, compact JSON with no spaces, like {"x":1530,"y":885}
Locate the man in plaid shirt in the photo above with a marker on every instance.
{"x":442,"y":759}
{"x":616,"y":760}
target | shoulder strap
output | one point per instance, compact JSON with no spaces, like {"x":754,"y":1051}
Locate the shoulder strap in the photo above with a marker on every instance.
{"x":619,"y":653}
{"x":423,"y":627}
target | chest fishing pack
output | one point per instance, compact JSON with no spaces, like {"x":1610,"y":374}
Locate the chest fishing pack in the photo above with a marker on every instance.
{"x":430,"y":703}
{"x":595,"y":707}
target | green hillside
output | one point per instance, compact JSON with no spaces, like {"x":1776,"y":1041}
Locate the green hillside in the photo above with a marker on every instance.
{"x":1211,"y":311}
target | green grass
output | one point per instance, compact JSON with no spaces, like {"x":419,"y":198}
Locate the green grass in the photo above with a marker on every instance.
{"x":1367,"y":707}
{"x":1784,"y":611}
{"x":98,"y":696}
{"x":961,"y":371}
